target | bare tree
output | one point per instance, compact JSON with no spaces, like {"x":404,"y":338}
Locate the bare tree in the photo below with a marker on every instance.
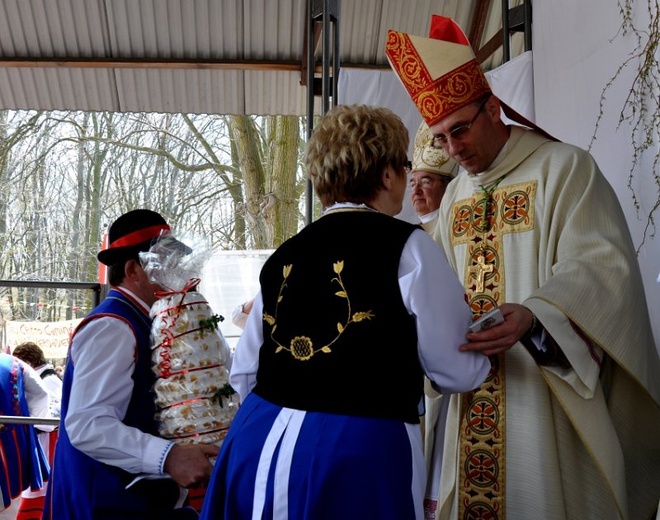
{"x":64,"y":176}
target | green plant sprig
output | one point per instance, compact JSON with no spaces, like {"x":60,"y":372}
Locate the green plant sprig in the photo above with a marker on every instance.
{"x":211,"y":323}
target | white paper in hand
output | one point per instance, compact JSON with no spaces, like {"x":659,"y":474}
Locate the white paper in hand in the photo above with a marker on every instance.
{"x":488,"y":320}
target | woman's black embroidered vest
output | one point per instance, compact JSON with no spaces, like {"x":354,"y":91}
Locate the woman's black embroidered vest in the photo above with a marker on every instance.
{"x":337,"y":336}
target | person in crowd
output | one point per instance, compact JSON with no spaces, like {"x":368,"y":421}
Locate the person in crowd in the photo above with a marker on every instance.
{"x":356,"y":303}
{"x":431,"y":170}
{"x":23,"y":464}
{"x":567,"y":424}
{"x":241,"y":312}
{"x":32,"y":502}
{"x":108,"y":434}
{"x":33,"y":355}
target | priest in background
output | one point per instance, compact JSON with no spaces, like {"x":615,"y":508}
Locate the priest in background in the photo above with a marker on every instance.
{"x":430,"y":172}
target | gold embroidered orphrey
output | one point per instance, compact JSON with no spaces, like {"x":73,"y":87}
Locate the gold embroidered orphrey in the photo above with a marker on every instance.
{"x":302,"y":347}
{"x":480,"y":224}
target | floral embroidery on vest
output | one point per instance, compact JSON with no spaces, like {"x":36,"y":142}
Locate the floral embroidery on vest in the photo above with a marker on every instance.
{"x":302,"y":347}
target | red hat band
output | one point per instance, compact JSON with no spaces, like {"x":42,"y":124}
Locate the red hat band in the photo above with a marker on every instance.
{"x":139,"y":236}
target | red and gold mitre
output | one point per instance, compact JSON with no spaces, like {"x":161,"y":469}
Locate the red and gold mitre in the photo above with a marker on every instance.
{"x":440,"y":73}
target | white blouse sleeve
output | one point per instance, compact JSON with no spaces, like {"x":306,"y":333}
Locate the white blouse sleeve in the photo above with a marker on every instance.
{"x":238,"y":317}
{"x":103,"y":354}
{"x":243,"y":375}
{"x":433,"y":294}
{"x":36,"y":393}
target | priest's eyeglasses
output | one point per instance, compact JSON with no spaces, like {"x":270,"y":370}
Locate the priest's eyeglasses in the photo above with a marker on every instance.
{"x":460,"y":132}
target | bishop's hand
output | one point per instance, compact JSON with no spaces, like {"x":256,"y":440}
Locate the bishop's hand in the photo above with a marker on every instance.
{"x":518,"y":320}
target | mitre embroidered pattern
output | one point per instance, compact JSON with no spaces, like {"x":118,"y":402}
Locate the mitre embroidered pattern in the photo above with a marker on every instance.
{"x":302,"y":347}
{"x":435,"y":98}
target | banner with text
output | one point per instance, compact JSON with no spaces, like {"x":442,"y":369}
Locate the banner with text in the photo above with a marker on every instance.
{"x":53,"y":337}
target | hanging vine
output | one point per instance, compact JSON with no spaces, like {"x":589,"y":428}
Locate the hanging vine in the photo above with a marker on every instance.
{"x":641,"y":108}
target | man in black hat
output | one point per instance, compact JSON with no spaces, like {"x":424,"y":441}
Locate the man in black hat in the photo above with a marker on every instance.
{"x":108,"y":434}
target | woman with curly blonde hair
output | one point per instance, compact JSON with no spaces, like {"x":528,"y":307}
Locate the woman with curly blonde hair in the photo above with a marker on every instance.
{"x":352,"y":311}
{"x":349,"y":151}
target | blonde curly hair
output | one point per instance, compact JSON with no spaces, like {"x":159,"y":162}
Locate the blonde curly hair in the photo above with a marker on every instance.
{"x":349,"y":150}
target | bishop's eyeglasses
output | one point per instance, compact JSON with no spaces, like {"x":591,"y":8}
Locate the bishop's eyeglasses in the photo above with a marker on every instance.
{"x":460,"y":132}
{"x":425,"y":182}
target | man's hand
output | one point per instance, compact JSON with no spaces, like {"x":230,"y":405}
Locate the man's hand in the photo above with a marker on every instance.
{"x":517,"y":321}
{"x":189,"y":465}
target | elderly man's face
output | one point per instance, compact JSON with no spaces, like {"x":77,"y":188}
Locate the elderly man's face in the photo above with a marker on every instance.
{"x":427,"y":190}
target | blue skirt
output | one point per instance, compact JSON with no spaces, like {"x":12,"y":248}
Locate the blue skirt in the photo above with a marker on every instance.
{"x":278,"y":463}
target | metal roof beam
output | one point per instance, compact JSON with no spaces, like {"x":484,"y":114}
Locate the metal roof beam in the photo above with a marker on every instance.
{"x":275,"y":65}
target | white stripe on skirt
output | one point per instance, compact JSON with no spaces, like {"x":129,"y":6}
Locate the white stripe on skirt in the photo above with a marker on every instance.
{"x":287,"y":427}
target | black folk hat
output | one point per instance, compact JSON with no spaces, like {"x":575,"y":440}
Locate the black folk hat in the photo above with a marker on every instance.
{"x":131,"y":233}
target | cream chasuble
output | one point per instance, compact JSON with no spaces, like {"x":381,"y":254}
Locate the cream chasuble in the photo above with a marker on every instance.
{"x":543,"y":228}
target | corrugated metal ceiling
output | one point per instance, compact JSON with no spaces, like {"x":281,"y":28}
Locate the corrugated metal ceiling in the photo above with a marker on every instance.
{"x":194,"y":56}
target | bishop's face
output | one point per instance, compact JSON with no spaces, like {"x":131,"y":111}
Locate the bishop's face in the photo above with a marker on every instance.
{"x":470,"y":135}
